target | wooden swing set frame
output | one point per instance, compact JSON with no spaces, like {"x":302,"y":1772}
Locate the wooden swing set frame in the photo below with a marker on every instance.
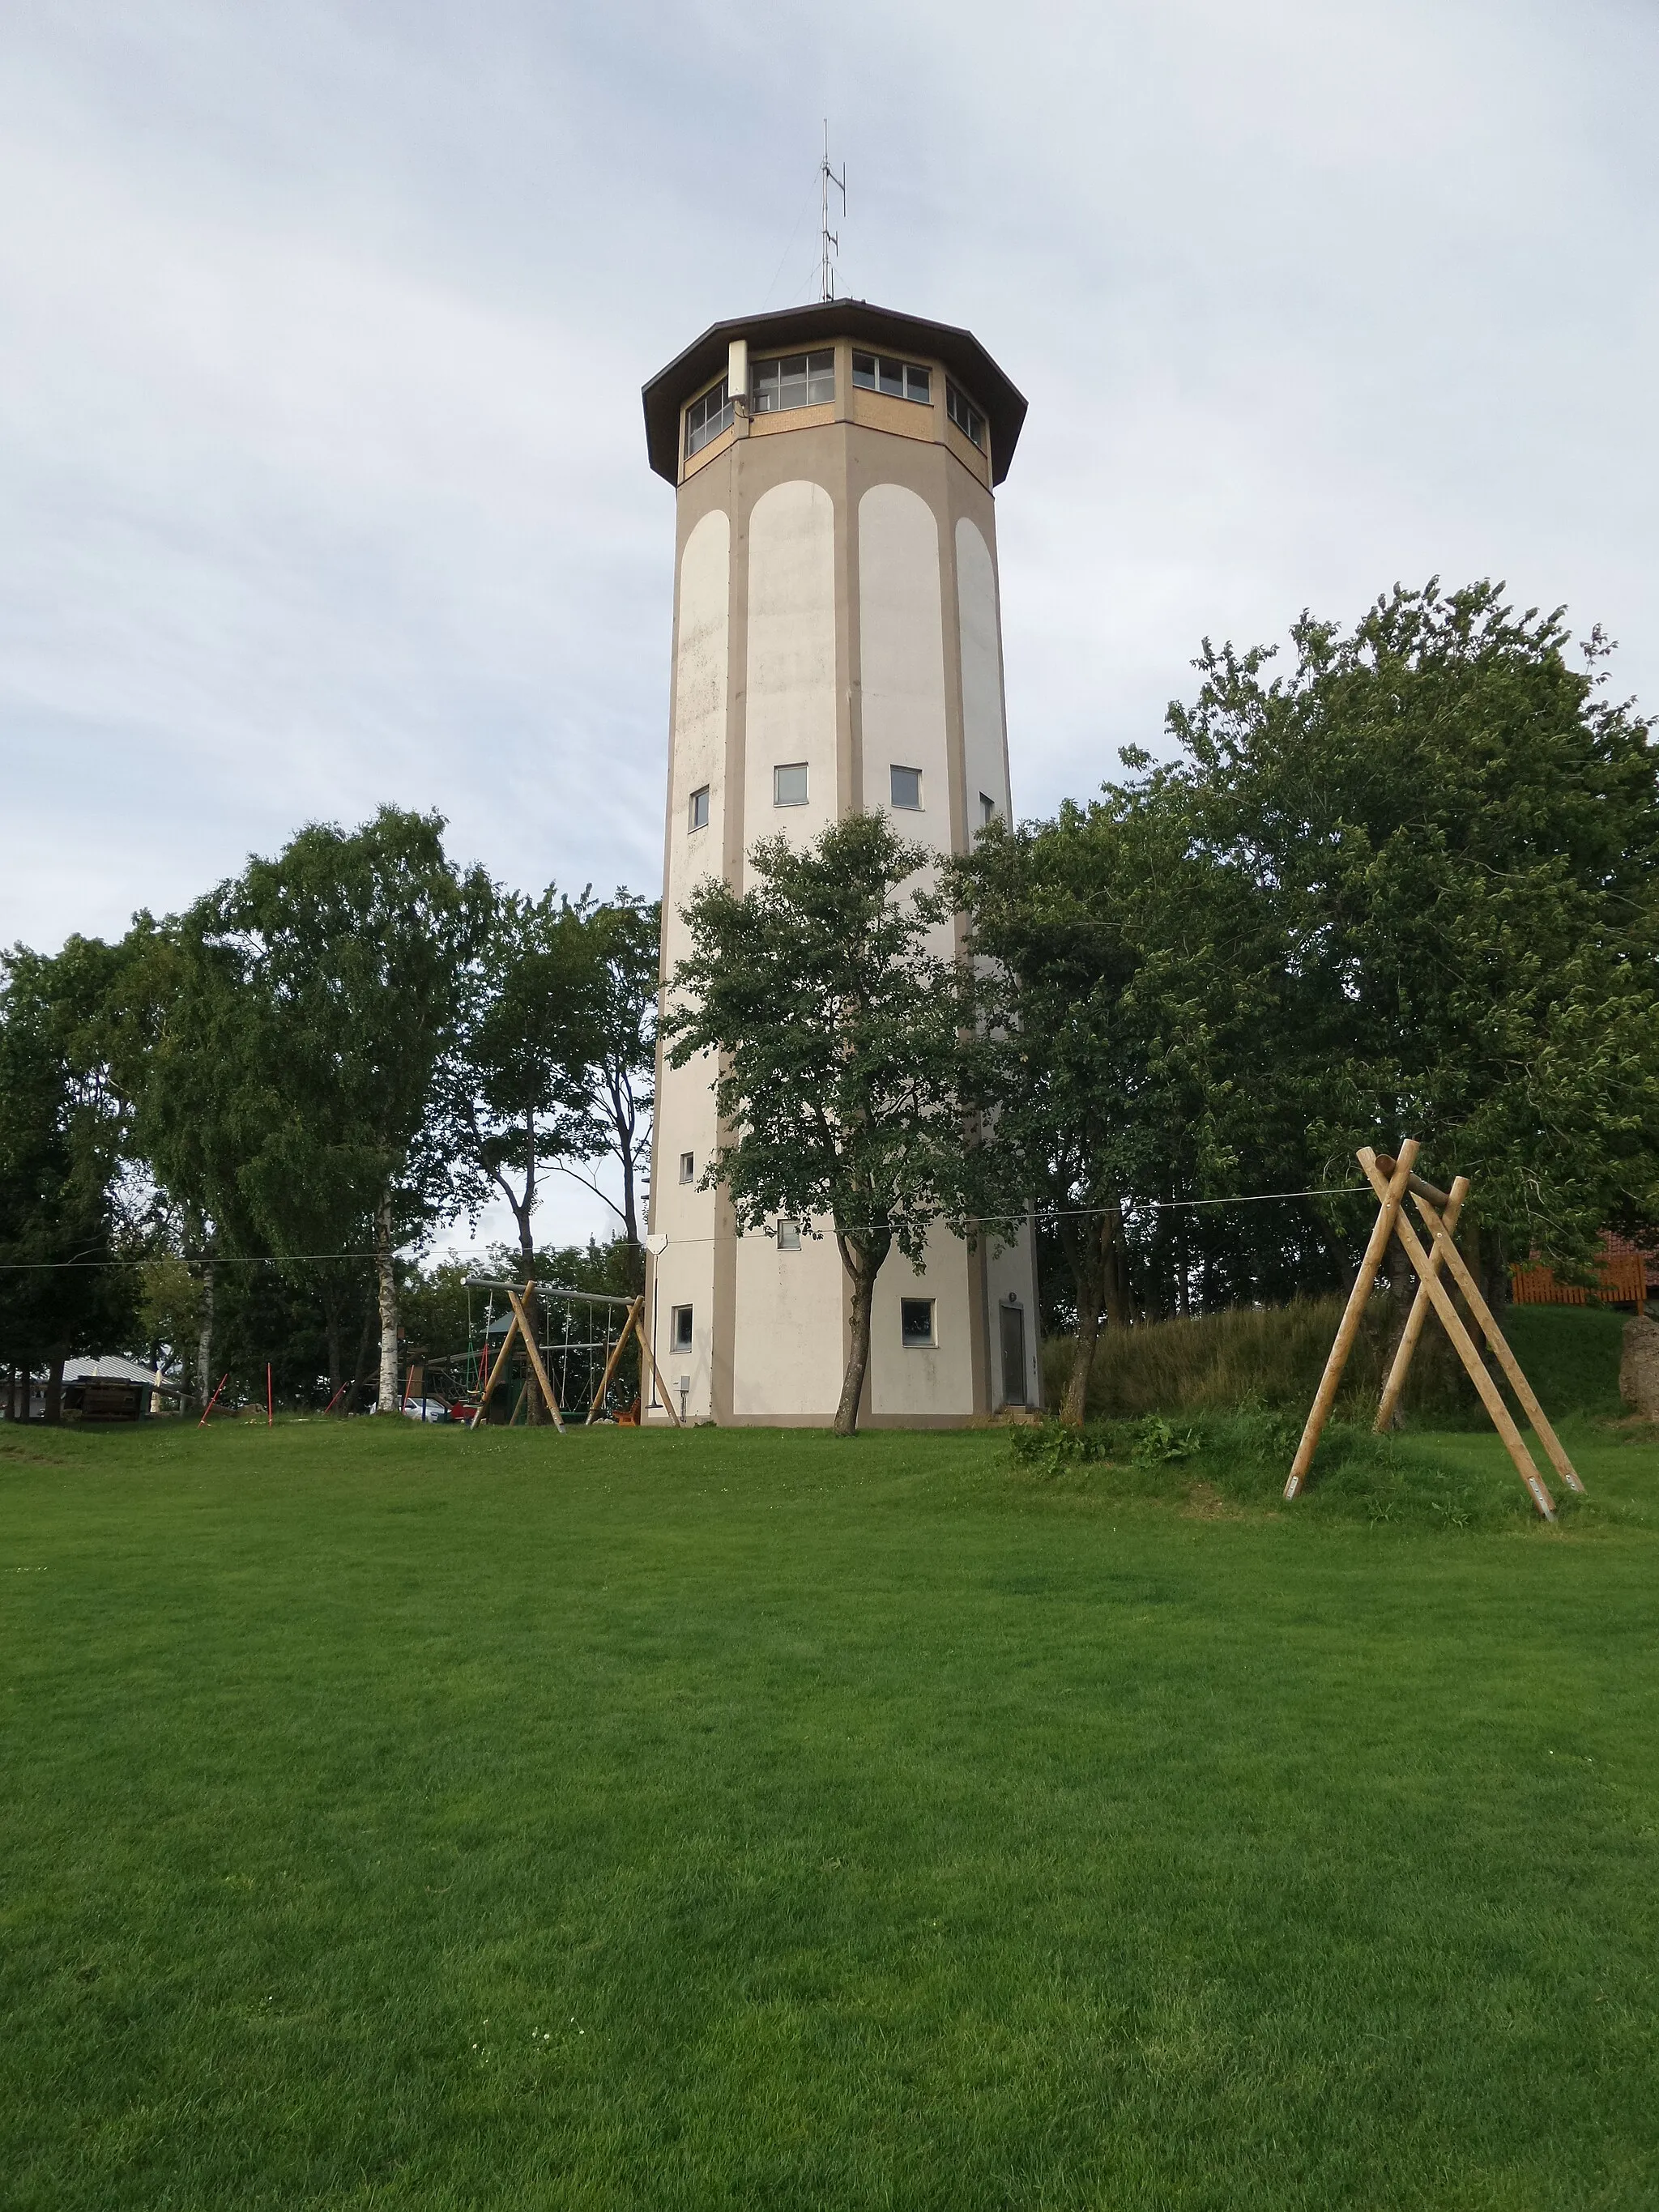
{"x":1392,"y":1179}
{"x":519,"y":1327}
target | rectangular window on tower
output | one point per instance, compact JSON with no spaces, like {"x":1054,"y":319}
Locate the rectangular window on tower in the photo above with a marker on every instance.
{"x":700,"y":808}
{"x":966,"y":416}
{"x":688,"y":1167}
{"x":900,"y":380}
{"x":795,"y":379}
{"x":680,"y":1324}
{"x":705,"y":418}
{"x":916,"y":1324}
{"x":905,"y":785}
{"x":789,"y":1237}
{"x":789,"y":784}
{"x":988,"y":807}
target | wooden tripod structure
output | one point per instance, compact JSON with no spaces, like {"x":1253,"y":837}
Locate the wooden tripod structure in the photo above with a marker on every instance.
{"x":636,"y":1323}
{"x":519,"y":1326}
{"x":1392,"y":1179}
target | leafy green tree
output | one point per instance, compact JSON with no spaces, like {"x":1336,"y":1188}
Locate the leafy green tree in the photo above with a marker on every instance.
{"x":836,"y":1029}
{"x":1458,"y":833}
{"x":624,"y":936}
{"x":1124,"y":980}
{"x":336,"y":974}
{"x":184,"y":1042}
{"x":63,"y":1230}
{"x":518,"y":1090}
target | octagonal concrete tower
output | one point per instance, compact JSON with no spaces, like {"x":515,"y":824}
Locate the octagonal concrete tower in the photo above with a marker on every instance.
{"x":837,"y":646}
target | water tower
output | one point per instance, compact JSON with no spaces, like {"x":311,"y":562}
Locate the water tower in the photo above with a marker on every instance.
{"x":837,"y":646}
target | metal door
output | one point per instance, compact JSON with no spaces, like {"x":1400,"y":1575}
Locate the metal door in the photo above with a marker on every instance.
{"x":1013,"y":1355}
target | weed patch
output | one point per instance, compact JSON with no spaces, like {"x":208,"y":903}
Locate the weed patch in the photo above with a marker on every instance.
{"x":1240,"y":1462}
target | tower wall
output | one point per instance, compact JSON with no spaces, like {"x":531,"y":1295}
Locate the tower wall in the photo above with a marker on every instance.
{"x":835,"y":605}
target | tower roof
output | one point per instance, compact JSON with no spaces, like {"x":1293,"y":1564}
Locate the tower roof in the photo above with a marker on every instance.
{"x":880,"y":327}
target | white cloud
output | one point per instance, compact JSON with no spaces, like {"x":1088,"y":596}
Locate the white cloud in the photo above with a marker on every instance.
{"x":322,"y":330}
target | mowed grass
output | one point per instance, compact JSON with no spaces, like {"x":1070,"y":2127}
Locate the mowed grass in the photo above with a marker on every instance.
{"x":402,"y":1818}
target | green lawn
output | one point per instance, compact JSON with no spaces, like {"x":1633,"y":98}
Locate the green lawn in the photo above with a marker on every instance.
{"x":402,"y":1818}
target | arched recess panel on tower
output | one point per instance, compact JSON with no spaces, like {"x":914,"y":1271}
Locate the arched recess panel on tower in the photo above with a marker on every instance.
{"x":901,"y":656}
{"x":789,"y":710}
{"x":683,"y":1280}
{"x":985,"y":748}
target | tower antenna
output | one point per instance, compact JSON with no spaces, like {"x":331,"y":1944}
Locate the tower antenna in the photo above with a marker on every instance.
{"x":831,"y":238}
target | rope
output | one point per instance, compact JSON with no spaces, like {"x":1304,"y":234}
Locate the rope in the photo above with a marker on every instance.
{"x":551,"y":1290}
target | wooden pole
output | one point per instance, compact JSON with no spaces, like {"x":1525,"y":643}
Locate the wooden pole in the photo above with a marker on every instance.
{"x":492,"y":1369}
{"x":1491,"y":1396}
{"x":645,"y":1347}
{"x":610,"y":1363}
{"x":517,"y":1298}
{"x":270,"y":1410}
{"x":214,"y":1400}
{"x":1420,"y":1312}
{"x":1390,"y":1192}
{"x":1506,"y":1360}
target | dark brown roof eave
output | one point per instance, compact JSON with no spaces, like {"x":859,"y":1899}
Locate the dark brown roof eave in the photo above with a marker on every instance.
{"x":960,"y":351}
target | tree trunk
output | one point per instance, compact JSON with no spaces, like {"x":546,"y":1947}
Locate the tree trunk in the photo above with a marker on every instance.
{"x":205,"y":1337}
{"x":1093,"y":1254}
{"x":365,"y":1338}
{"x":863,"y":1263}
{"x":54,"y":1406}
{"x":1402,"y":1294}
{"x":625,"y":1120}
{"x":23,"y":1383}
{"x":336,"y":1350}
{"x":536,"y":1413}
{"x":1494,"y":1276}
{"x":390,"y":1397}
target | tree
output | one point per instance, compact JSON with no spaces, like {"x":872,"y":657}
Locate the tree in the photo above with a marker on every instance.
{"x":836,"y":1033}
{"x":346,"y":959}
{"x":184,"y":1042}
{"x":1460,"y":839}
{"x":62,"y":1287}
{"x":1125,"y":984}
{"x":518,"y":1089}
{"x":624,"y":936}
{"x":517,"y":1084}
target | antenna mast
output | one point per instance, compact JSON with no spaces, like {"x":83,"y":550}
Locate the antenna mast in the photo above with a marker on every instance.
{"x":831,"y":239}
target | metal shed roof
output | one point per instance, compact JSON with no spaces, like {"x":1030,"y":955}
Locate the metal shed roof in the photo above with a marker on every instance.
{"x":880,"y":327}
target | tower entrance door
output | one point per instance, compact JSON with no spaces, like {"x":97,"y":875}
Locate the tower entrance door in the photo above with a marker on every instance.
{"x":1013,"y":1355}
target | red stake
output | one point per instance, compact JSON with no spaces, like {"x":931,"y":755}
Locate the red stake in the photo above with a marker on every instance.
{"x":213,"y":1401}
{"x":271,"y":1411}
{"x":336,"y":1399}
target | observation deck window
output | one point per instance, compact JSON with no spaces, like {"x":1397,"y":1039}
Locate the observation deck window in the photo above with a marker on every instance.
{"x":793,"y":380}
{"x":706,"y":418}
{"x":901,"y":380}
{"x":966,"y":416}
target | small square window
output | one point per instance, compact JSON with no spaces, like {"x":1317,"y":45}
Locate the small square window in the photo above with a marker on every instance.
{"x":789,"y":784}
{"x":680,"y":1324}
{"x":988,"y":807}
{"x":906,"y":788}
{"x":916,"y":1322}
{"x":700,"y":808}
{"x":688,"y":1167}
{"x":789,"y":1237}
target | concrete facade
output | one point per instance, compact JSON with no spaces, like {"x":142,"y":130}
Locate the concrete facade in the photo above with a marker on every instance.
{"x":835,"y":608}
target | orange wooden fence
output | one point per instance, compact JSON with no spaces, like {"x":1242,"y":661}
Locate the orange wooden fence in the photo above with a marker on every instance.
{"x":1621,"y":1280}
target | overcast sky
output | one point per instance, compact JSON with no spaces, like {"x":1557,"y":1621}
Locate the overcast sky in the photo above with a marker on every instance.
{"x":322,"y":330}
